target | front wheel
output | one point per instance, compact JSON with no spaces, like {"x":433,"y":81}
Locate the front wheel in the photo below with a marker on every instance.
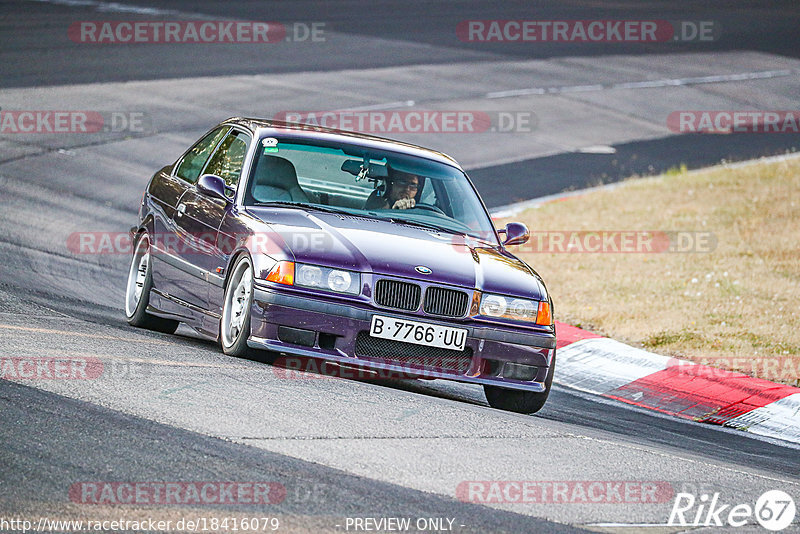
{"x":137,"y":293}
{"x":514,"y":400}
{"x":235,"y":322}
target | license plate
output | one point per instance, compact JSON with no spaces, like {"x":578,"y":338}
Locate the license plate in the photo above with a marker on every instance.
{"x":430,"y":335}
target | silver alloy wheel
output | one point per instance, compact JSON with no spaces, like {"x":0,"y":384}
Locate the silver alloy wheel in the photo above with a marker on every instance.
{"x":137,"y":275}
{"x":237,"y":303}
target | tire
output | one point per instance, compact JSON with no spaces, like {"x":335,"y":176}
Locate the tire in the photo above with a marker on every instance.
{"x":234,"y":328}
{"x":514,"y":400}
{"x":137,"y":291}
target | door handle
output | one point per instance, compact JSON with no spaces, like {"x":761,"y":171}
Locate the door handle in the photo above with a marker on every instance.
{"x":181,"y":209}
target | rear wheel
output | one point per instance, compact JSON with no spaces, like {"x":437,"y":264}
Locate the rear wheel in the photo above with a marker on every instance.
{"x":235,"y":322}
{"x":514,"y":400}
{"x":137,"y":294}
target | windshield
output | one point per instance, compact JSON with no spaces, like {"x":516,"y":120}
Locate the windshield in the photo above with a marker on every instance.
{"x":366,"y":182}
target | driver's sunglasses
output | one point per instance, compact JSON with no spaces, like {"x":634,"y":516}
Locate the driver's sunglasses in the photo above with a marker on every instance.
{"x":407,"y":185}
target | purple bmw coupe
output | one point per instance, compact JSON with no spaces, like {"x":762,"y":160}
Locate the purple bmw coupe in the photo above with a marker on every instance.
{"x":342,"y":247}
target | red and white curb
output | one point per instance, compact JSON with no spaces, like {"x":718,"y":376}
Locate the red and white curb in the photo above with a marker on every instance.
{"x":602,"y":366}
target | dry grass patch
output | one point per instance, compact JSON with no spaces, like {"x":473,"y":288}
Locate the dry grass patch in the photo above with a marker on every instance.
{"x":736,"y":307}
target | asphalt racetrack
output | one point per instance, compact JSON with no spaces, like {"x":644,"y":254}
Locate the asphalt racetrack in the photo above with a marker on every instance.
{"x":561,"y":115}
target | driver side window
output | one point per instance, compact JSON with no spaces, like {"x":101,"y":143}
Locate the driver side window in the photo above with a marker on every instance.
{"x":227,"y":161}
{"x":194,"y":160}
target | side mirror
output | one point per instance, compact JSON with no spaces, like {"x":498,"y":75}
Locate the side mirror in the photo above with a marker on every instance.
{"x":213,"y":186}
{"x":516,"y":234}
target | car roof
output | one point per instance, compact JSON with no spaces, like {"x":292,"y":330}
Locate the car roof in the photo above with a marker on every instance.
{"x":261,"y":127}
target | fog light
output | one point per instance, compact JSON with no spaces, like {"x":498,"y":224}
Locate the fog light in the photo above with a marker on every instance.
{"x":519,"y":371}
{"x":296,"y":336}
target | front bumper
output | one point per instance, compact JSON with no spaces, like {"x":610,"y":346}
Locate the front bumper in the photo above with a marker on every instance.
{"x":309,"y":327}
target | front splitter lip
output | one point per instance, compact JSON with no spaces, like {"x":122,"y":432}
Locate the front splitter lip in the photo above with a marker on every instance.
{"x":277,"y":346}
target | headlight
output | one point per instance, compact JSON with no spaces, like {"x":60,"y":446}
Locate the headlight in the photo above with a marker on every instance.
{"x":309,"y":275}
{"x":493,"y":305}
{"x":524,"y":309}
{"x":529,"y":311}
{"x":327,"y":279}
{"x":339,"y":280}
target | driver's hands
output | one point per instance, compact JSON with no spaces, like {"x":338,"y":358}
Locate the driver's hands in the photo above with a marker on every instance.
{"x":404,"y":204}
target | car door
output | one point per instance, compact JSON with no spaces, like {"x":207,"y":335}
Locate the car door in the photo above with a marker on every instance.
{"x":198,"y":217}
{"x":169,"y":274}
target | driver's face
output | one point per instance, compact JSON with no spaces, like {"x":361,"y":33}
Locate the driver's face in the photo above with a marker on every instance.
{"x":405,"y":187}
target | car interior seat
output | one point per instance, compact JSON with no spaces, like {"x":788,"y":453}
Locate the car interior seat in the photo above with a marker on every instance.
{"x":276,"y":180}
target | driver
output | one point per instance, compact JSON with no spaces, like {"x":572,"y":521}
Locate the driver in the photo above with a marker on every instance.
{"x":401,"y":188}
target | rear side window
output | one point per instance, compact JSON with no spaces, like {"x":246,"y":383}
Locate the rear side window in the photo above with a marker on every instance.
{"x":194,"y":160}
{"x":228,"y":159}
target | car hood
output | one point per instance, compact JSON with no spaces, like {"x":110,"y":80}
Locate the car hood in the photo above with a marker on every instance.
{"x":383,"y":247}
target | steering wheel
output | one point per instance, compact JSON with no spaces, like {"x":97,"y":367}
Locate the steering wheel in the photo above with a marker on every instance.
{"x":429,"y":207}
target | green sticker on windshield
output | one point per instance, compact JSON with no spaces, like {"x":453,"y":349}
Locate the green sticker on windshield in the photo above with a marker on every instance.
{"x":270,"y":145}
